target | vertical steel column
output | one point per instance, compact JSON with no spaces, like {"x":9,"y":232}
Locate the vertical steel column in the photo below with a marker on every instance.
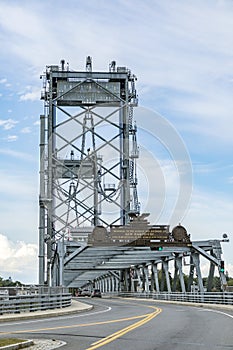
{"x":115,"y":281}
{"x":210,"y":277}
{"x":146,"y":279}
{"x":105,"y":284}
{"x":102,"y":284}
{"x":165,"y":269}
{"x":109,"y":283}
{"x":98,"y":285}
{"x":191,"y":273}
{"x":124,"y":169}
{"x":196,"y":262}
{"x":174,"y":284}
{"x":41,"y":203}
{"x":96,"y":191}
{"x":217,"y":251}
{"x":61,"y":261}
{"x":138,"y":271}
{"x":132,"y":279}
{"x":178,"y":262}
{"x":112,"y":283}
{"x":126,"y":280}
{"x":155,"y":276}
{"x":50,"y":199}
{"x":117,"y":285}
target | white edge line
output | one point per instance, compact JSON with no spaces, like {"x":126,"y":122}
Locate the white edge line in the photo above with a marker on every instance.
{"x":57,"y":317}
{"x":219,"y":312}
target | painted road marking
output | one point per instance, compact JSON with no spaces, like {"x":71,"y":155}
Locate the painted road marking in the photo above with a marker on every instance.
{"x":218,"y":312}
{"x":144,"y":319}
{"x":76,"y":325}
{"x":125,"y":330}
{"x":57,"y":318}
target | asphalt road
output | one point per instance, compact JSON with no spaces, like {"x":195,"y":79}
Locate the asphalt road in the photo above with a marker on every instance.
{"x":132,"y":325}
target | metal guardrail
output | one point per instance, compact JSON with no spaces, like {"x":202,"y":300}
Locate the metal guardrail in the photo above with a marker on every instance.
{"x":40,"y":299}
{"x":223,"y":298}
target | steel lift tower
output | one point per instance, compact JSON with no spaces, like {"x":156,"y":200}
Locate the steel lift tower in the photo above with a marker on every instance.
{"x":88,"y":152}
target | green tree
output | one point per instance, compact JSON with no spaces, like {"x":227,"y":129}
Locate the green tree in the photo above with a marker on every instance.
{"x":9,"y":283}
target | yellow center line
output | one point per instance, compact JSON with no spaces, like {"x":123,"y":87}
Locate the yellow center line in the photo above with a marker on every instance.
{"x":144,"y":319}
{"x":125,"y":330}
{"x":76,"y":325}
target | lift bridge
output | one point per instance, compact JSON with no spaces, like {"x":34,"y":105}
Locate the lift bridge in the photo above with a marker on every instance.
{"x":91,"y":231}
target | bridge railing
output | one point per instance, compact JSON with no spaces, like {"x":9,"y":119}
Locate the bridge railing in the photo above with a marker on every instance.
{"x":224,"y":298}
{"x":36,"y":299}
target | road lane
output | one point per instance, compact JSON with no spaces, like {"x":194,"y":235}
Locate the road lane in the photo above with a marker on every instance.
{"x":133,"y":324}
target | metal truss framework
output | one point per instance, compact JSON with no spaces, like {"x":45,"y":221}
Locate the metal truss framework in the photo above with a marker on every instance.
{"x":88,"y":178}
{"x":137,"y":268}
{"x":88,"y":152}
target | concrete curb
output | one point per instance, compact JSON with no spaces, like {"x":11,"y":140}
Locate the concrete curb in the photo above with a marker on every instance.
{"x":76,"y":307}
{"x":16,"y":346}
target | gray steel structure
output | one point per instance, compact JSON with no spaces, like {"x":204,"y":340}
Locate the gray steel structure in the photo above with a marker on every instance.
{"x":88,"y":152}
{"x":132,"y":269}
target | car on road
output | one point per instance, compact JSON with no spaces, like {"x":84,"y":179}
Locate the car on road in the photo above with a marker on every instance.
{"x":96,"y":293}
{"x":85,"y":293}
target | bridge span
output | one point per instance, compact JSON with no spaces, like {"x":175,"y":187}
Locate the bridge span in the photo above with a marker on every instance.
{"x":141,"y":268}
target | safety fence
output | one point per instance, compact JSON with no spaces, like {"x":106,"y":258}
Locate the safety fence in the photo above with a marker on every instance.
{"x":208,"y":297}
{"x":34,"y":299}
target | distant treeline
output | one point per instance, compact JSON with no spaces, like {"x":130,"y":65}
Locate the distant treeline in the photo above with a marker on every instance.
{"x":9,"y":283}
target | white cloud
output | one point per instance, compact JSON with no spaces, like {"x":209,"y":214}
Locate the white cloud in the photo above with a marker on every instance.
{"x":3,"y":81}
{"x":21,"y":185}
{"x":18,"y":260}
{"x":31,"y":96}
{"x":19,"y":203}
{"x":16,"y":154}
{"x":12,"y":138}
{"x":209,"y":215}
{"x":26,"y":130}
{"x":206,"y":168}
{"x":230,"y":180}
{"x":8,"y":124}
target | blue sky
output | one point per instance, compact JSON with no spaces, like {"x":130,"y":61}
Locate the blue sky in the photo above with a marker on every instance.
{"x":181,"y":52}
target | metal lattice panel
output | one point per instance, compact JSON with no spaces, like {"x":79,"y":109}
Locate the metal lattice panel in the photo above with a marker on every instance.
{"x":88,"y":155}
